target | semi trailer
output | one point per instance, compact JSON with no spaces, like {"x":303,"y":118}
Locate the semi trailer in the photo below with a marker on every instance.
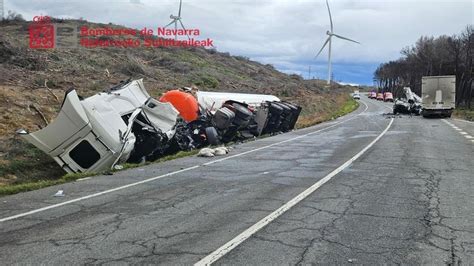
{"x":438,"y":94}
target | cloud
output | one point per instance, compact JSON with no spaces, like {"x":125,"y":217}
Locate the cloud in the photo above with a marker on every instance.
{"x":284,"y":33}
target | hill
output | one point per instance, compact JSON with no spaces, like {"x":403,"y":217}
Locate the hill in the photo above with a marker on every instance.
{"x":33,"y":82}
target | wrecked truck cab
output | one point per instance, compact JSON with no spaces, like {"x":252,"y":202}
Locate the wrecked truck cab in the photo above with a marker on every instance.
{"x":78,"y":144}
{"x":94,"y":134}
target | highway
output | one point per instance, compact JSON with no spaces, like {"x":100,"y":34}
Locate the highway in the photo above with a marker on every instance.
{"x":366,"y":188}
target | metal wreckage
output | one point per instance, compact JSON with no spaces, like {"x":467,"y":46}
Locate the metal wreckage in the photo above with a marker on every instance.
{"x":124,"y":124}
{"x":410,"y":104}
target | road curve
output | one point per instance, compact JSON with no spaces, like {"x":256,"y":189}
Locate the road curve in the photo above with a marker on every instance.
{"x":404,"y":199}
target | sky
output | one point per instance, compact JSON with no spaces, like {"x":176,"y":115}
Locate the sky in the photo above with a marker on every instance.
{"x":285,"y":33}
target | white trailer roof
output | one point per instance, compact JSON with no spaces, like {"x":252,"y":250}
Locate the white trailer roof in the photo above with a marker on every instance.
{"x":214,"y":100}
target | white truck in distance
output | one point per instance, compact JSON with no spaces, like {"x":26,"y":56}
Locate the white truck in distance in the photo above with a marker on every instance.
{"x":438,"y":94}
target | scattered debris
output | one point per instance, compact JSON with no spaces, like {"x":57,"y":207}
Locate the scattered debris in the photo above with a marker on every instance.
{"x":411,"y":104}
{"x":209,"y":152}
{"x":221,"y":151}
{"x":206,"y":152}
{"x":60,"y":193}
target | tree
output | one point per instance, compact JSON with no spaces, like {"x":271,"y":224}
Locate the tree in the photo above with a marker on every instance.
{"x":429,"y":56}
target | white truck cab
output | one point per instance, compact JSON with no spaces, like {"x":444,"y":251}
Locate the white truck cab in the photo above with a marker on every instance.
{"x":94,"y":134}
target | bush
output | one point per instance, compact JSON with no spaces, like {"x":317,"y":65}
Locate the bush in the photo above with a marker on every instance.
{"x":206,"y":81}
{"x":13,"y":16}
{"x":296,"y":77}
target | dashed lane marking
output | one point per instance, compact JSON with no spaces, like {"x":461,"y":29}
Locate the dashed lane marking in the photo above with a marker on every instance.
{"x":459,"y":130}
{"x":465,"y":121}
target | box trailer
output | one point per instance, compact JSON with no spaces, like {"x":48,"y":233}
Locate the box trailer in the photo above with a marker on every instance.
{"x":438,"y":95}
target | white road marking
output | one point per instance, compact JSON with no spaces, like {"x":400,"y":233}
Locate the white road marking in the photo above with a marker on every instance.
{"x":465,"y":121}
{"x":172,"y":173}
{"x":472,"y":141}
{"x":227,"y":247}
{"x":464,"y":133}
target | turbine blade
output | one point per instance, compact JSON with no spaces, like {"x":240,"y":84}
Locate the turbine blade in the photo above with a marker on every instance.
{"x":180,"y":4}
{"x":324,"y":45}
{"x":344,"y":38}
{"x":180,"y":22}
{"x":330,"y":17}
{"x":168,"y":24}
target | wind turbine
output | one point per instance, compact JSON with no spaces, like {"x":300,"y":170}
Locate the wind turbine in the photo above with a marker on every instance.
{"x":329,"y":40}
{"x":175,"y":20}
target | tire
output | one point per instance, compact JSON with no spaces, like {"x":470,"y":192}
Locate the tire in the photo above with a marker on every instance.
{"x":212,"y":136}
{"x":242,"y":111}
{"x":240,"y":122}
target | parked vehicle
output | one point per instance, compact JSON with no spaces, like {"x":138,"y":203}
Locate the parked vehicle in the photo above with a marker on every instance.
{"x":124,"y":124}
{"x":438,"y":95}
{"x":356,"y":95}
{"x":379,"y":96}
{"x":388,"y":97}
{"x":372,"y":95}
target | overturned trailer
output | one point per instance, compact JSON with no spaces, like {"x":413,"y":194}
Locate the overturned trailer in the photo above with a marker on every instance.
{"x":124,"y":124}
{"x":254,"y":114}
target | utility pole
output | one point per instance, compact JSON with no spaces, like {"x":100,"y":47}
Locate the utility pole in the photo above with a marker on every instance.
{"x":309,"y":72}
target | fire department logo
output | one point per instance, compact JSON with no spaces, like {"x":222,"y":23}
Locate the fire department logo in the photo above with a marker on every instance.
{"x":41,"y":35}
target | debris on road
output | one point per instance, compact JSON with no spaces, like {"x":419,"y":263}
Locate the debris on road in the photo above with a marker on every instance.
{"x":125,"y":124}
{"x":206,"y":152}
{"x":411,"y":104}
{"x":60,"y":193}
{"x":210,"y":152}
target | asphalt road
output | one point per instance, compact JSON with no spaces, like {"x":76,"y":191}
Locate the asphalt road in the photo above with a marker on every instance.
{"x":362,"y":189}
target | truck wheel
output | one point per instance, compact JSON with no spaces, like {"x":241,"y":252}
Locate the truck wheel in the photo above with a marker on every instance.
{"x":212,"y":136}
{"x":242,"y":111}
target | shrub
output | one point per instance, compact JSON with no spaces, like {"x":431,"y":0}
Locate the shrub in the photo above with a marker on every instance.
{"x":206,"y":81}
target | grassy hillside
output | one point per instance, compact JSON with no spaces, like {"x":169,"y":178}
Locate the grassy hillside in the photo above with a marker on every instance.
{"x":33,"y":82}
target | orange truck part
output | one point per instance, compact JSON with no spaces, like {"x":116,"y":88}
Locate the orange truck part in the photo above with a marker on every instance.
{"x":185,"y":103}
